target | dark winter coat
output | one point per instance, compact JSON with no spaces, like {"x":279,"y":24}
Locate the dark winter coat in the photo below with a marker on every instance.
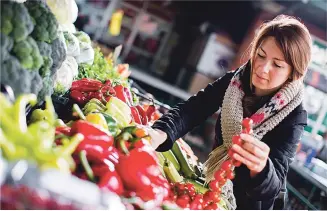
{"x":261,"y":191}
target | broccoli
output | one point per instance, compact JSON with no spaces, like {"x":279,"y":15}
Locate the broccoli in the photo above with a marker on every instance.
{"x":28,"y":54}
{"x":6,"y":46}
{"x":58,"y":55}
{"x":45,"y":51}
{"x":19,"y":79}
{"x":15,"y":20}
{"x":46,"y":28}
{"x":47,"y":89}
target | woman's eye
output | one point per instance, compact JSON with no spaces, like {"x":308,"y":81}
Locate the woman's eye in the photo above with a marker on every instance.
{"x":278,"y":66}
{"x":261,"y":56}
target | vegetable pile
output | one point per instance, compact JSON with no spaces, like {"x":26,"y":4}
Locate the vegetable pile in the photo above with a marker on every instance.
{"x":32,"y":52}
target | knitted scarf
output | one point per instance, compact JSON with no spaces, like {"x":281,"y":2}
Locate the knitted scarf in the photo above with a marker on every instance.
{"x":265,"y":119}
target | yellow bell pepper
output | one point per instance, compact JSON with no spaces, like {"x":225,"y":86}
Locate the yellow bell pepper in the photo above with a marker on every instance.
{"x":97,"y":119}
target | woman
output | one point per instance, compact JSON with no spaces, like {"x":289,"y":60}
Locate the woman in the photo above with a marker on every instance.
{"x":268,"y":89}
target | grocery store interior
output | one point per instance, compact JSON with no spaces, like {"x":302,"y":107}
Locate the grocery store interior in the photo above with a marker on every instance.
{"x":173,"y":50}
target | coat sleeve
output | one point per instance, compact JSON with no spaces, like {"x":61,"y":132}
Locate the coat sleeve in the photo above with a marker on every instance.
{"x":283,"y":143}
{"x":186,"y":115}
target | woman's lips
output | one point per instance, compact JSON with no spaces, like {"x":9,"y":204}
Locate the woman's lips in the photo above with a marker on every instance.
{"x":261,"y":77}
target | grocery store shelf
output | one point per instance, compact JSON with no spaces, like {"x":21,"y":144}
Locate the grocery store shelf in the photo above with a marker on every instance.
{"x":141,"y":51}
{"x":159,"y":84}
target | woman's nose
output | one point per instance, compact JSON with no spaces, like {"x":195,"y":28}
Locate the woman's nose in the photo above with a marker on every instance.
{"x":266,"y":68}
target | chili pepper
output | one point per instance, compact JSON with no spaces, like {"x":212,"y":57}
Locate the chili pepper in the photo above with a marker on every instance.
{"x":78,"y":112}
{"x":19,"y":110}
{"x":120,"y":94}
{"x":136,"y":115}
{"x":143,"y":115}
{"x":97,"y":119}
{"x":78,"y":97}
{"x":86,"y":85}
{"x":92,"y":134}
{"x":86,"y":165}
{"x":149,"y":112}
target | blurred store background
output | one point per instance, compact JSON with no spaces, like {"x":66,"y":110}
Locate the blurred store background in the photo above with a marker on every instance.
{"x":175,"y":48}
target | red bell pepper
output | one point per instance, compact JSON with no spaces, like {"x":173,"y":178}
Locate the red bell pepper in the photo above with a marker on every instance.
{"x":143,"y":115}
{"x":120,"y":94}
{"x":86,"y":85}
{"x":128,"y":95}
{"x":92,"y":134}
{"x":111,"y":181}
{"x":149,"y":112}
{"x":78,"y":97}
{"x":136,"y":115}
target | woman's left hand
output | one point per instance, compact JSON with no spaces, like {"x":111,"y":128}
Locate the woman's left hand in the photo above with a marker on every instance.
{"x":252,"y":153}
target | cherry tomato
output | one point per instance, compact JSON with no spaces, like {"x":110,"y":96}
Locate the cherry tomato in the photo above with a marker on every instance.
{"x":185,"y":197}
{"x":247,"y":130}
{"x":219,"y":175}
{"x":227,"y":165}
{"x":210,"y":195}
{"x":214,"y":185}
{"x":237,"y":140}
{"x":247,"y":123}
{"x":222,"y":182}
{"x":195,"y":205}
{"x":230,"y":153}
{"x":230,"y":175}
{"x":214,"y":206}
{"x":182,"y":203}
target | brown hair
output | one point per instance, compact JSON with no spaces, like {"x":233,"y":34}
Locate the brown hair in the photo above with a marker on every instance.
{"x":293,"y":39}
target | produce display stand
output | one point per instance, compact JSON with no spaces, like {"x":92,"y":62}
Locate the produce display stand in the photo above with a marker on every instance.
{"x":72,"y":129}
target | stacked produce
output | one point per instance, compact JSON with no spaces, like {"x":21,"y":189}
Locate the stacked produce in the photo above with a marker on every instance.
{"x":103,"y":141}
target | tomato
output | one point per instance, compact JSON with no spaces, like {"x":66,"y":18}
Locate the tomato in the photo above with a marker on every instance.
{"x":230,"y":153}
{"x":247,"y":130}
{"x":196,"y":205}
{"x":219,"y":175}
{"x":214,"y":185}
{"x":222,"y":182}
{"x":185,"y":197}
{"x":191,"y":189}
{"x":211,"y":196}
{"x":182,"y":203}
{"x":214,"y":206}
{"x":227,"y":165}
{"x":237,"y":140}
{"x":247,"y":123}
{"x":230,"y":175}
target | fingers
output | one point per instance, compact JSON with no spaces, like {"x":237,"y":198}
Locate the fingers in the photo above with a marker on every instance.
{"x":251,"y":165}
{"x":250,"y":139}
{"x":245,"y":154}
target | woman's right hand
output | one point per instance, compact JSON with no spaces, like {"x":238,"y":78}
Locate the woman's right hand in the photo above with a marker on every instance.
{"x":157,"y":136}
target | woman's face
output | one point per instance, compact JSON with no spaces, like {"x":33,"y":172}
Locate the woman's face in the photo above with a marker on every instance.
{"x":270,"y":70}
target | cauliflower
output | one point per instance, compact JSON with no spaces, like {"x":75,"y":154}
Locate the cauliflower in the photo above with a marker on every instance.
{"x":72,"y":44}
{"x":87,"y":52}
{"x":19,"y":79}
{"x":6,"y":46}
{"x":66,"y":11}
{"x":46,"y":28}
{"x":15,"y":20}
{"x":65,"y":75}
